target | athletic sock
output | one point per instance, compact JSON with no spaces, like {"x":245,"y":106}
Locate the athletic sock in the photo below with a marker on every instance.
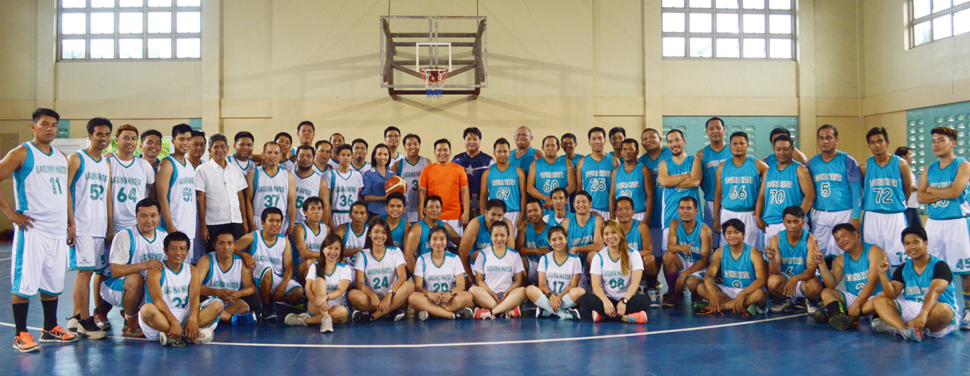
{"x":671,"y":280}
{"x":651,"y":281}
{"x":543,"y":302}
{"x":50,"y":313}
{"x":567,"y":303}
{"x":20,"y":316}
{"x":966,"y":299}
{"x":834,"y":307}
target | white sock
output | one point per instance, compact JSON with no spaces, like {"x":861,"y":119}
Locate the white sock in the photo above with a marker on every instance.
{"x":567,"y":303}
{"x":543,"y":303}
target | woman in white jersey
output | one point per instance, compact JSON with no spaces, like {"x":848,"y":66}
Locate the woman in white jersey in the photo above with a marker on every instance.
{"x":382,"y":280}
{"x":327,"y":282}
{"x":439,"y":282}
{"x":499,"y":273}
{"x":559,"y":272}
{"x":615,"y":273}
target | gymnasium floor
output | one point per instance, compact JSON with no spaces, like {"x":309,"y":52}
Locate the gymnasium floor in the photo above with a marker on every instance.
{"x":673,"y":342}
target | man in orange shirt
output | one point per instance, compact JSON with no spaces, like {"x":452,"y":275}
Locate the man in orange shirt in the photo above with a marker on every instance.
{"x":449,"y":181}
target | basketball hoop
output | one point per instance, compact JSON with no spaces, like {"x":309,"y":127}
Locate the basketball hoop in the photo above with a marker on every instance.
{"x":434,"y":80}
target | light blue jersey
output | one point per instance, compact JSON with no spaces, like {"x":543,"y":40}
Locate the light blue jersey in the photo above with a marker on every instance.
{"x":504,"y":185}
{"x":781,"y":191}
{"x":424,"y":245}
{"x":672,"y":196}
{"x":397,"y":233}
{"x":943,"y":178}
{"x":656,"y":215}
{"x":575,"y":159}
{"x":597,"y":180}
{"x":484,"y":238}
{"x":740,"y":185}
{"x":631,"y":184}
{"x":524,"y":162}
{"x":551,"y":176}
{"x":737,"y":272}
{"x":857,"y":272}
{"x":710,"y":161}
{"x":883,"y":189}
{"x":833,"y":180}
{"x":536,"y":240}
{"x":918,"y":285}
{"x":581,"y":235}
{"x":693,"y":238}
{"x":633,"y":239}
{"x":794,"y":258}
{"x":772,"y":160}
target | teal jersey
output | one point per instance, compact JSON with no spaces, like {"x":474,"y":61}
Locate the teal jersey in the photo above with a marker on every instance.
{"x":781,"y":191}
{"x":575,"y":159}
{"x":772,"y":160}
{"x":938,"y":177}
{"x":536,"y":240}
{"x":833,"y":179}
{"x":549,"y":216}
{"x":737,"y":272}
{"x":551,"y":176}
{"x":883,"y":188}
{"x":524,"y":162}
{"x":633,"y":239}
{"x":656,"y":215}
{"x":672,"y":196}
{"x":918,"y":285}
{"x":856,"y":272}
{"x":794,"y":258}
{"x":612,"y":155}
{"x":597,"y":180}
{"x":504,"y":185}
{"x":693,"y":238}
{"x":581,"y":235}
{"x":710,"y":161}
{"x":424,"y":245}
{"x":397,"y":233}
{"x":740,"y":185}
{"x":484,"y":238}
{"x":631,"y":184}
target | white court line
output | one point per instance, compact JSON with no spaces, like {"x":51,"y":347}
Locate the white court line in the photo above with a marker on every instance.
{"x":5,"y":259}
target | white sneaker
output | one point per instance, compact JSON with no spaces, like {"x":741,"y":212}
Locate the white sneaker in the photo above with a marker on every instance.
{"x":423,"y":315}
{"x":881,"y":326}
{"x":72,"y":324}
{"x":654,"y":298}
{"x":294,"y":320}
{"x":965,"y":321}
{"x":206,"y":335}
{"x":326,"y":325}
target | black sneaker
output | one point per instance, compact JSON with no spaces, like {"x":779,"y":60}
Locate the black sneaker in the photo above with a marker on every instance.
{"x":843,"y":322}
{"x":398,"y":314}
{"x":356,"y":316}
{"x":463,"y":314}
{"x":72,"y":323}
{"x":87,"y":329}
{"x":821,"y":317}
{"x":269,"y":314}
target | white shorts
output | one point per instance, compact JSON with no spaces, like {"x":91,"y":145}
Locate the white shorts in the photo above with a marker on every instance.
{"x":709,"y":221}
{"x":848,"y":297}
{"x":687,"y":264}
{"x":883,"y":230}
{"x":665,"y":237}
{"x":182,"y":315}
{"x":822,"y":224}
{"x":731,"y":292}
{"x":658,"y":237}
{"x":909,"y":310}
{"x":513,"y":216}
{"x":639,"y":216}
{"x":949,"y":240}
{"x":259,"y":272}
{"x":602,"y":213}
{"x":455,"y":224}
{"x":38,"y":263}
{"x":339,"y":219}
{"x":411,"y":216}
{"x":752,"y":234}
{"x":798,"y":287}
{"x":88,"y":253}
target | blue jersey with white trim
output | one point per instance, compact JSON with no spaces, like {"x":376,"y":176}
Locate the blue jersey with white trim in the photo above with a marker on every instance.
{"x":781,"y":191}
{"x":740,"y":185}
{"x":656,"y":215}
{"x":794,"y":258}
{"x":856,"y":272}
{"x":525,"y":161}
{"x":581,"y":235}
{"x":672,"y":196}
{"x":737,"y":272}
{"x":832,"y":181}
{"x":504,"y":185}
{"x":484,"y":238}
{"x":536,"y":240}
{"x":883,"y":191}
{"x":633,"y":239}
{"x":551,"y":176}
{"x":938,"y":177}
{"x":630,"y":184}
{"x":710,"y":161}
{"x":918,"y":285}
{"x":397,"y":233}
{"x":693,"y":238}
{"x":424,"y":244}
{"x":597,"y":179}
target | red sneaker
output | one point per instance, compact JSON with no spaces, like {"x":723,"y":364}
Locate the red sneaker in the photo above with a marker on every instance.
{"x":597,"y":317}
{"x":57,"y":334}
{"x":25,"y":343}
{"x":482,"y":314}
{"x":636,"y":318}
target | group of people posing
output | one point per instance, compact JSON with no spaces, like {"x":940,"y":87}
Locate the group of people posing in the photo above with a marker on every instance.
{"x":181,"y":243}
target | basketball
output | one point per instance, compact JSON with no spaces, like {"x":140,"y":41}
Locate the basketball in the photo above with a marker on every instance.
{"x":395,"y":184}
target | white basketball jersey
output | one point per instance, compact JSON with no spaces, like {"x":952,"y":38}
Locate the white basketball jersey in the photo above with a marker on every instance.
{"x":344,"y":189}
{"x":267,"y":255}
{"x":559,"y":277}
{"x":305,"y":188}
{"x":340,"y":272}
{"x":411,"y":173}
{"x":40,"y":186}
{"x":438,"y":278}
{"x":314,"y":241}
{"x":366,"y":167}
{"x":245,"y":167}
{"x":268,"y":192}
{"x":380,"y":273}
{"x":129,"y":181}
{"x":89,"y":195}
{"x":224,"y":279}
{"x":175,"y":286}
{"x":181,"y":197}
{"x":288,"y":165}
{"x":143,"y":249}
{"x":353,"y":240}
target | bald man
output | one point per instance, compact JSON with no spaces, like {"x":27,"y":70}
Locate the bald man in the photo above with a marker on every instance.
{"x":524,"y":153}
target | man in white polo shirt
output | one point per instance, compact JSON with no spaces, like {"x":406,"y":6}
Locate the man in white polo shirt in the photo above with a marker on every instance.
{"x":220,"y":193}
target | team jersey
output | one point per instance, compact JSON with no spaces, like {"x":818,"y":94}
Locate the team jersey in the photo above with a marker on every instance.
{"x":536,"y":240}
{"x":380,"y":274}
{"x":740,"y":185}
{"x":630,"y":184}
{"x":499,"y":271}
{"x":270,"y":191}
{"x":710,"y":161}
{"x":305,"y":188}
{"x":89,"y":197}
{"x":439,"y":278}
{"x":832,"y":181}
{"x":612,"y":155}
{"x":353,"y":240}
{"x":615,"y":283}
{"x":130,"y":247}
{"x":883,"y":188}
{"x":794,"y":258}
{"x":344,"y":189}
{"x":411,"y":173}
{"x":656,"y":215}
{"x":559,"y":276}
{"x":918,"y":285}
{"x":693,"y":238}
{"x":672,"y":195}
{"x":771,"y":160}
{"x":397,"y":233}
{"x":597,"y":180}
{"x":424,"y":245}
{"x":181,"y":197}
{"x":267,"y":255}
{"x":525,"y":161}
{"x":245,"y":167}
{"x":738,"y":272}
{"x":551,"y":176}
{"x":288,"y":165}
{"x":938,"y":177}
{"x":224,"y":279}
{"x":399,"y":157}
{"x":550,"y":218}
{"x":781,"y":191}
{"x":581,"y":235}
{"x":575,"y":159}
{"x":366,"y":167}
{"x":319,"y":171}
{"x":504,"y":185}
{"x":129,"y":181}
{"x":341,"y":272}
{"x":333,"y":163}
{"x":313,"y":240}
{"x":484,"y":238}
{"x":474,"y":168}
{"x":856,"y":272}
{"x":633,"y":239}
{"x":175,"y":286}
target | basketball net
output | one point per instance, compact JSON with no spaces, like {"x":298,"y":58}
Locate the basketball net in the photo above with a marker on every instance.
{"x":434,"y":80}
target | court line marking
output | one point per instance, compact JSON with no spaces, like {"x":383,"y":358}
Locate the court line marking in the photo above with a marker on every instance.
{"x":5,"y":259}
{"x":493,"y":343}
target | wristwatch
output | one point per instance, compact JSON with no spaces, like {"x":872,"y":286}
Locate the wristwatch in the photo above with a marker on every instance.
{"x":624,"y":300}
{"x":391,"y":291}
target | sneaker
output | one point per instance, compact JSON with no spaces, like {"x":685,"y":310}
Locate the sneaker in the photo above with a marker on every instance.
{"x":843,"y":322}
{"x":294,"y":319}
{"x":101,"y":317}
{"x":820,"y":316}
{"x":752,"y":310}
{"x":812,"y":307}
{"x":881,"y":326}
{"x":513,"y":313}
{"x":87,"y":329}
{"x":482,"y":314}
{"x":356,"y":316}
{"x":269,"y":314}
{"x":911,"y":334}
{"x":25,"y":343}
{"x":671,"y":300}
{"x":965,"y":321}
{"x":782,"y":306}
{"x":654,"y":298}
{"x":131,"y":328}
{"x":326,"y":325}
{"x":569,"y":314}
{"x":399,"y":314}
{"x":72,"y":323}
{"x":423,"y":315}
{"x":57,"y":335}
{"x":464,"y":314}
{"x":701,"y":306}
{"x":636,"y":318}
{"x":597,"y":317}
{"x":248,"y":318}
{"x":801,"y":303}
{"x":206,"y":335}
{"x":167,"y":341}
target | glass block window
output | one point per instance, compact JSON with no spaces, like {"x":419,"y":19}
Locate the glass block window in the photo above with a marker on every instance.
{"x":921,"y":121}
{"x":932,"y":20}
{"x":729,"y":29}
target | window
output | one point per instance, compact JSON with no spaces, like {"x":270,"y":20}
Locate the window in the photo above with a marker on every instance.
{"x":729,"y":29}
{"x":919,"y":123}
{"x":129,"y":29}
{"x":932,"y":20}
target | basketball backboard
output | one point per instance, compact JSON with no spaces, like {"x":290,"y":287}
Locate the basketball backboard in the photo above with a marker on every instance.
{"x":410,"y":44}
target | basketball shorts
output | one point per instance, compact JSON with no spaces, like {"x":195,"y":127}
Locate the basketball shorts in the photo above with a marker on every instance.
{"x":533,"y":272}
{"x":88,"y":253}
{"x":639,"y":216}
{"x":339,"y":219}
{"x":709,"y":221}
{"x":38,"y":263}
{"x":822,"y":224}
{"x":455,"y":224}
{"x":602,"y":213}
{"x":752,"y":234}
{"x":687,"y":264}
{"x":659,"y":239}
{"x":182,"y":314}
{"x":909,"y":310}
{"x":113,"y":291}
{"x":513,"y":216}
{"x":883,"y":229}
{"x":950,"y":242}
{"x":732,"y":292}
{"x":275,"y":279}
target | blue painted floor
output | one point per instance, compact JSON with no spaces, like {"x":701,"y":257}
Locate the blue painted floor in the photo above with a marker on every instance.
{"x":675,"y":341}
